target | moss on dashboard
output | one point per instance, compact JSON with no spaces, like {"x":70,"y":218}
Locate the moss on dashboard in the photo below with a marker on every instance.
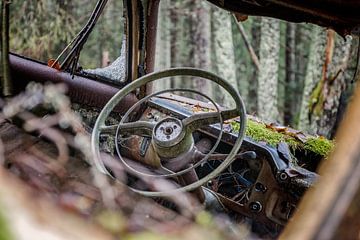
{"x":319,"y":145}
{"x":260,"y":132}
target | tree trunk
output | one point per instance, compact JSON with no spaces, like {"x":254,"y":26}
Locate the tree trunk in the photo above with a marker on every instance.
{"x":249,"y":48}
{"x":325,"y":81}
{"x":269,"y":66}
{"x":174,"y":38}
{"x":163,"y":54}
{"x":223,"y":48}
{"x":290,"y":81}
{"x":334,"y":85}
{"x":200,"y":34}
{"x":312,"y":77}
{"x":350,"y":78}
{"x":302,"y":52}
{"x":252,"y":96}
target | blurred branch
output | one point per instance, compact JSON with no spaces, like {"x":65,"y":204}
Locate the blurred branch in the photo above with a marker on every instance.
{"x":40,"y":218}
{"x":248,"y":46}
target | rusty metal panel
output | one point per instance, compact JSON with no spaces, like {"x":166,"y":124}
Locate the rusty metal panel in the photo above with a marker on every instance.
{"x":80,"y":89}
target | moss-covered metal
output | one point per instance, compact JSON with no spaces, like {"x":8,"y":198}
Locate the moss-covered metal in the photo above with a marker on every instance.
{"x":261,"y":133}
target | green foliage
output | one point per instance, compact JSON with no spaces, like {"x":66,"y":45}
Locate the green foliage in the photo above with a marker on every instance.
{"x":106,"y":36}
{"x":41,"y":29}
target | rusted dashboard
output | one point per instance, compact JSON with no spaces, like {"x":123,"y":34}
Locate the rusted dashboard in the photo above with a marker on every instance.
{"x":263,"y":184}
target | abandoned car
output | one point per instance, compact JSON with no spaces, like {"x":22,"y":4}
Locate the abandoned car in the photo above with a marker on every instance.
{"x":165,"y":145}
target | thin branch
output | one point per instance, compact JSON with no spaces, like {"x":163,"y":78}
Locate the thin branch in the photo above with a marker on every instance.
{"x":248,"y":46}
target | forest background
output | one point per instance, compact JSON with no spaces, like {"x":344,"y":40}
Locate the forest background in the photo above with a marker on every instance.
{"x":299,"y":75}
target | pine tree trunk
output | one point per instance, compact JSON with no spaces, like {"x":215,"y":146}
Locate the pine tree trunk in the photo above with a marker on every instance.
{"x":246,"y":58}
{"x":335,"y":84}
{"x":174,"y":38}
{"x":163,"y":56}
{"x":290,"y":81}
{"x":312,"y":77}
{"x":200,"y":34}
{"x":269,"y":66}
{"x":223,"y":48}
{"x":252,"y":96}
{"x":302,"y":52}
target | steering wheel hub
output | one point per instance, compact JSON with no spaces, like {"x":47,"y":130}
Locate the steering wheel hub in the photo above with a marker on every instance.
{"x":168,"y":132}
{"x":170,"y":138}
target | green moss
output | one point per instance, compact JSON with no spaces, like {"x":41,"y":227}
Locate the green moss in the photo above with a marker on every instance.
{"x":319,"y":145}
{"x":5,"y":233}
{"x":317,"y":99}
{"x":260,"y":133}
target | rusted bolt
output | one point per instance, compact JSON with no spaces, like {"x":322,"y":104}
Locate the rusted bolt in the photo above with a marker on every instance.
{"x":150,"y":115}
{"x":255,"y":207}
{"x":259,"y":187}
{"x":283,"y":176}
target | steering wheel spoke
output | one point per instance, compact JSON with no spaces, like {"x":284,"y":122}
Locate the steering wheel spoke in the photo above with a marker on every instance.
{"x":140,"y":128}
{"x":196,"y":121}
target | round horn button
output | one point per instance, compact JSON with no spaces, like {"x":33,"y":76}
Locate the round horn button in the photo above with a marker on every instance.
{"x":168,"y":130}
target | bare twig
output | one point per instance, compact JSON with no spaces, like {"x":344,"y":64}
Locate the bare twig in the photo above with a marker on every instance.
{"x":248,"y":46}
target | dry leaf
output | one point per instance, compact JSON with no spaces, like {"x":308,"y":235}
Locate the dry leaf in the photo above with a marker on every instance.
{"x":54,"y":64}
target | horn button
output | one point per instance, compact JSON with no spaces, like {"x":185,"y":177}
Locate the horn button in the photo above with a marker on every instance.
{"x":168,"y":132}
{"x":171,"y":139}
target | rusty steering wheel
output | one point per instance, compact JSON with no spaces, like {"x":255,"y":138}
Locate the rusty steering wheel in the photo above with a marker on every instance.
{"x":171,"y":137}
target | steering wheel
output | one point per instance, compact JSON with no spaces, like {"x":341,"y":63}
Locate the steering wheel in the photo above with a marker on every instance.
{"x":171,"y":138}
